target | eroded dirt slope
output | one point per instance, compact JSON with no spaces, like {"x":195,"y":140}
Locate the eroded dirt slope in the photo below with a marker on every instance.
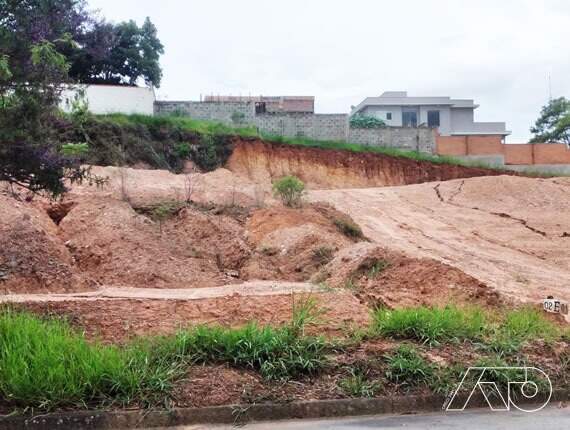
{"x":511,"y":233}
{"x":263,"y":162}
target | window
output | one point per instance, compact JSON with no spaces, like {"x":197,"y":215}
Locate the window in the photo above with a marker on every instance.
{"x":388,"y":115}
{"x":433,"y":118}
{"x":260,"y":107}
{"x":409,"y":118}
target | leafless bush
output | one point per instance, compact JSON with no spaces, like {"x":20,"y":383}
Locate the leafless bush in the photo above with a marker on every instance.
{"x":190,"y":184}
{"x":123,"y":178}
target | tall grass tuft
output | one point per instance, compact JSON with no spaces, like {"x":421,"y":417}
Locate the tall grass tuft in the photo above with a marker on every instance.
{"x":45,"y":364}
{"x":430,"y":325}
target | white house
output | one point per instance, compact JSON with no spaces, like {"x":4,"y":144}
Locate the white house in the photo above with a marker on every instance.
{"x":104,"y":99}
{"x":450,"y":116}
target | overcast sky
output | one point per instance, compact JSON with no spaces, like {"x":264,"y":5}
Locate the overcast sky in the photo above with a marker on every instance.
{"x":498,"y":52}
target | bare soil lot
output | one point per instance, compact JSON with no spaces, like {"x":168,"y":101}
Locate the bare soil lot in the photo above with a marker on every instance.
{"x":511,"y":233}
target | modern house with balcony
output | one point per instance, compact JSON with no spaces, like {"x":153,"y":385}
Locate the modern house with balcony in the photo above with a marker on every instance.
{"x":452,"y":117}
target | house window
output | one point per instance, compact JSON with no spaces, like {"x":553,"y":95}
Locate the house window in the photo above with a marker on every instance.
{"x":409,"y":118}
{"x":260,"y":107}
{"x":433,"y":118}
{"x":388,"y":115}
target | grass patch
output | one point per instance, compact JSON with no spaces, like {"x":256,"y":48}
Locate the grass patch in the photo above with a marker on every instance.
{"x":377,"y":267}
{"x":156,"y":123}
{"x":508,"y":333}
{"x":407,"y":367}
{"x":358,"y":385}
{"x":429,"y":325}
{"x":45,"y":364}
{"x":348,"y":228}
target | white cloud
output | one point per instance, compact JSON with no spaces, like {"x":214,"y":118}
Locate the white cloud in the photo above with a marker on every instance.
{"x":499,"y":53}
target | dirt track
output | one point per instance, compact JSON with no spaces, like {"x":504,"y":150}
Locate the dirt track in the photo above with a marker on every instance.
{"x":512,"y":233}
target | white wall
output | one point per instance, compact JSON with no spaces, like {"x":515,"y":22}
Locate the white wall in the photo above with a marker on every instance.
{"x":462,"y":119}
{"x":114,"y":99}
{"x":381,"y":111}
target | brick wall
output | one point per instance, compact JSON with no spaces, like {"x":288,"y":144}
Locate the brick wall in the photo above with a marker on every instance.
{"x":514,"y":154}
{"x":469,"y":145}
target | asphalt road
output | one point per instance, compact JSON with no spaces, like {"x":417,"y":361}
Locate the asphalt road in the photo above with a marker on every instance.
{"x":551,"y":418}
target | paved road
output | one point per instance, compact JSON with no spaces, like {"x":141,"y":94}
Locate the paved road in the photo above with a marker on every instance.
{"x":552,"y":418}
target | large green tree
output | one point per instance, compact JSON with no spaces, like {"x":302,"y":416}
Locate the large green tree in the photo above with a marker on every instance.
{"x":118,"y":54}
{"x":102,"y":52}
{"x":553,"y":125}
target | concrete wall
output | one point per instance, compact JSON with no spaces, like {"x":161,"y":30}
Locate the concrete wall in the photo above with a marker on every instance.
{"x":305,"y":124}
{"x":461,"y":119}
{"x":314,"y":126}
{"x":209,"y":111}
{"x":413,"y":139}
{"x":104,"y":99}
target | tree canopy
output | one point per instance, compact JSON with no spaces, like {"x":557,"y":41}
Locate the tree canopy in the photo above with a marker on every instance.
{"x":553,"y":125}
{"x":45,"y":45}
{"x":101,"y":52}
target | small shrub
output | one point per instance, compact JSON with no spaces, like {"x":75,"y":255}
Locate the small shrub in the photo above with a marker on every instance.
{"x":366,"y":121}
{"x":348,"y":228}
{"x":323,"y":254}
{"x":290,"y":190}
{"x":358,"y":385}
{"x":269,"y":250}
{"x":378,"y":267}
{"x":238,"y":117}
{"x":430,"y":325}
{"x":75,"y":149}
{"x":407,"y":367}
{"x":183,"y":150}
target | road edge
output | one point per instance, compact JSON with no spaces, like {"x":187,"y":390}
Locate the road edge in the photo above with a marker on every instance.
{"x":237,"y":414}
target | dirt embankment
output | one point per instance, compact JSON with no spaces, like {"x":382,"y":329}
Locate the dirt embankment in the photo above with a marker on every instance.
{"x":326,"y":168}
{"x":512,"y":233}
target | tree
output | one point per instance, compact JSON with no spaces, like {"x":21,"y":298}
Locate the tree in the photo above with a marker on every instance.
{"x":553,"y":125}
{"x":29,"y":157}
{"x":118,"y":54}
{"x":102,"y":53}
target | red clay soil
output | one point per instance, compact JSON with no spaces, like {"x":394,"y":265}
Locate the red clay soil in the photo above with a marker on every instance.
{"x":117,"y":246}
{"x":33,"y":258}
{"x":380,"y":277}
{"x":262,"y":162}
{"x":292,"y":244}
{"x":511,"y":233}
{"x":117,"y":320}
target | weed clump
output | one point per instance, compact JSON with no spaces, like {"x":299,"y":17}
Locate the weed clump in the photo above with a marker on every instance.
{"x":357,"y":384}
{"x":408,"y":368}
{"x":348,"y":228}
{"x":430,"y":325}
